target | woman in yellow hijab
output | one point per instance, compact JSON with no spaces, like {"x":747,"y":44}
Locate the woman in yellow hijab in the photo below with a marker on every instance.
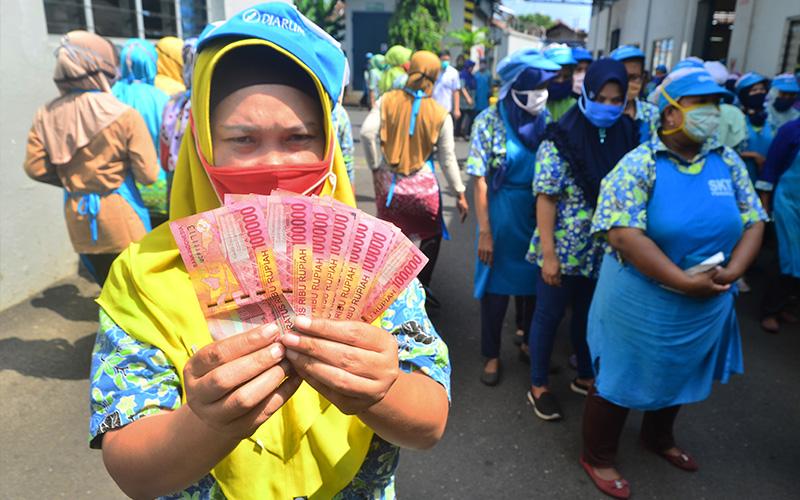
{"x":318,"y":413}
{"x":170,"y":65}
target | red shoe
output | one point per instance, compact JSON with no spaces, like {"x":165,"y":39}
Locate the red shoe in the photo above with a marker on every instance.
{"x":682,"y":460}
{"x":616,"y":488}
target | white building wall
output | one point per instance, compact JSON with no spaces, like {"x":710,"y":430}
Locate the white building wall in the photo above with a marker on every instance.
{"x":759,"y":34}
{"x":35,"y":250}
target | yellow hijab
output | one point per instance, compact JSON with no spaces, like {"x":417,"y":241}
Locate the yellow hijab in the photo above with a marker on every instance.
{"x":308,"y":448}
{"x":170,"y":65}
{"x":406,"y":153}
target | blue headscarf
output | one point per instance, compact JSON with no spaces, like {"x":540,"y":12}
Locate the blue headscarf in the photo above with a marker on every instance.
{"x":529,"y":128}
{"x":467,"y":76}
{"x":579,"y":141}
{"x":135,"y":86}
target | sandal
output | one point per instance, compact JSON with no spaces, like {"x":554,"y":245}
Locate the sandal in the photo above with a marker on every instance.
{"x":616,"y":488}
{"x":491,"y":378}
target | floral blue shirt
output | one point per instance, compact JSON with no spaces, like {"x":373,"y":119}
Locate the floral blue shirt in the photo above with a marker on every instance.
{"x":649,"y":118}
{"x":131,"y":379}
{"x":487,"y":148}
{"x":578,"y":253}
{"x":344,"y":134}
{"x":625,"y":191}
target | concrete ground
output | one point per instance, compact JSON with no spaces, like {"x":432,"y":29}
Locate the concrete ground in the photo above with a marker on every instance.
{"x":746,"y":437}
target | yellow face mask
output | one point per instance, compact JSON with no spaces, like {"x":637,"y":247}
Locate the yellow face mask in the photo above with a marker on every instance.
{"x":700,"y":121}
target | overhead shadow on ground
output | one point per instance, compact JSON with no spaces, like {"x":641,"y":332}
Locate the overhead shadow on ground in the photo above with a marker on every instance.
{"x":68,"y":302}
{"x":52,"y":358}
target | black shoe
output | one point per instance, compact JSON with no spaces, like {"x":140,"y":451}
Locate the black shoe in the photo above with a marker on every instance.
{"x":579,"y":388}
{"x":491,"y":378}
{"x":525,"y":357}
{"x":519,"y":337}
{"x":546,"y":406}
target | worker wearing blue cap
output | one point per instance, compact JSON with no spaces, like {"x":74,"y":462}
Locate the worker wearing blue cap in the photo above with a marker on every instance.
{"x":642,"y":112}
{"x":559,"y":98}
{"x":658,"y":76}
{"x":501,"y":160}
{"x":584,"y":59}
{"x":752,"y":89}
{"x":684,"y":221}
{"x":782,"y":100}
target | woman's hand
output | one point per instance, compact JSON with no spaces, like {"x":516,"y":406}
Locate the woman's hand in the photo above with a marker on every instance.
{"x":485,"y":247}
{"x":726,"y":275}
{"x":234,"y":385}
{"x":756,"y":157}
{"x":551,"y":270}
{"x":707,"y":284}
{"x":463,"y":206}
{"x":352,"y":364}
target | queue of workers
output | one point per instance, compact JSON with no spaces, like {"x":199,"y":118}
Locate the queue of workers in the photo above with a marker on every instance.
{"x":639,"y":214}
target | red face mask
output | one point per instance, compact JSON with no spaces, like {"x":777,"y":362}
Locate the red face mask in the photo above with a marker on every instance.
{"x":304,"y":178}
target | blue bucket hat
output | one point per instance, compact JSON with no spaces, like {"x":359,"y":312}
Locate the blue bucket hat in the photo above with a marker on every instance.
{"x":283,"y":25}
{"x":626,"y":52}
{"x":661,"y":68}
{"x":560,"y":54}
{"x":512,"y":66}
{"x":686,"y":82}
{"x":689,"y":62}
{"x":786,"y":83}
{"x":581,"y":54}
{"x":748,"y":80}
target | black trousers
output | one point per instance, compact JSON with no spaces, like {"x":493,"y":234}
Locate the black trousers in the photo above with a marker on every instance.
{"x":430,"y":247}
{"x":98,"y":265}
{"x":493,"y":311}
{"x":603,"y":422}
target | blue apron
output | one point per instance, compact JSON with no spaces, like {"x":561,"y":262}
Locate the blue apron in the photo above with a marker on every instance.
{"x":758,"y":140}
{"x":787,"y":219}
{"x":672,"y":345}
{"x":512,"y":217}
{"x":89,"y":204}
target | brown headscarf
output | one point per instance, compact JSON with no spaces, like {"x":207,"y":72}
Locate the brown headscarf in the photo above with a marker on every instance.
{"x":84,"y":64}
{"x":407,"y":153}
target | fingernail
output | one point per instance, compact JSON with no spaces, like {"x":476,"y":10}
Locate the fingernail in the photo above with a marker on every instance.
{"x":290,"y":339}
{"x":302,"y":321}
{"x":276,"y":350}
{"x":291,"y":355}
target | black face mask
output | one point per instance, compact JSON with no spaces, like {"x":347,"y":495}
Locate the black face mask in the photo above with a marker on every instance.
{"x":757,"y":119}
{"x":782,"y":104}
{"x":754,"y":101}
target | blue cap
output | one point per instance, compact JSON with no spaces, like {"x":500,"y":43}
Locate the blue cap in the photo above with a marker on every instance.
{"x":560,"y":54}
{"x":510,"y":67}
{"x":662,"y":68}
{"x":581,"y":54}
{"x":689,"y":62}
{"x":686,"y":82}
{"x":748,"y":80}
{"x":627,"y":52}
{"x":786,"y":83}
{"x":283,"y":25}
{"x":369,"y":55}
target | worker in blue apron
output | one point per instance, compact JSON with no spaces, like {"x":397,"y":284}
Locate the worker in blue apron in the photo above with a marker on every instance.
{"x":501,"y":160}
{"x":752,"y":89}
{"x":779,"y":187}
{"x":659,"y":331}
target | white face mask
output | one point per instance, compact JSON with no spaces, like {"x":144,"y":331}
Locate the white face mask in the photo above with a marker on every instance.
{"x":577,"y":81}
{"x":535,"y":102}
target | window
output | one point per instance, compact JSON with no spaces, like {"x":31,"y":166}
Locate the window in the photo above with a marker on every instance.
{"x":64,"y":15}
{"x":128,"y":18}
{"x":791,"y":51}
{"x":115,"y":18}
{"x":662,"y":52}
{"x":614,"y":40}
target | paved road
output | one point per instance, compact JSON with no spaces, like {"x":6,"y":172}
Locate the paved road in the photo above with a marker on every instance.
{"x":746,"y":437}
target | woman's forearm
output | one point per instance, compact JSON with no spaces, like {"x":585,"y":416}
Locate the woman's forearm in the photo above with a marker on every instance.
{"x":482,"y":204}
{"x":413,"y":414}
{"x":747,"y":249}
{"x":546,"y":222}
{"x":163,"y":453}
{"x":638,"y":249}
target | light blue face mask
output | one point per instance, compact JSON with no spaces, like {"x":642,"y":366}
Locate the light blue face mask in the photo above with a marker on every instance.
{"x":445,"y":65}
{"x":600,"y":115}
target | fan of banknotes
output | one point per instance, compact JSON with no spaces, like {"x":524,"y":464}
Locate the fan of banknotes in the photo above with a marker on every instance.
{"x":259,"y":259}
